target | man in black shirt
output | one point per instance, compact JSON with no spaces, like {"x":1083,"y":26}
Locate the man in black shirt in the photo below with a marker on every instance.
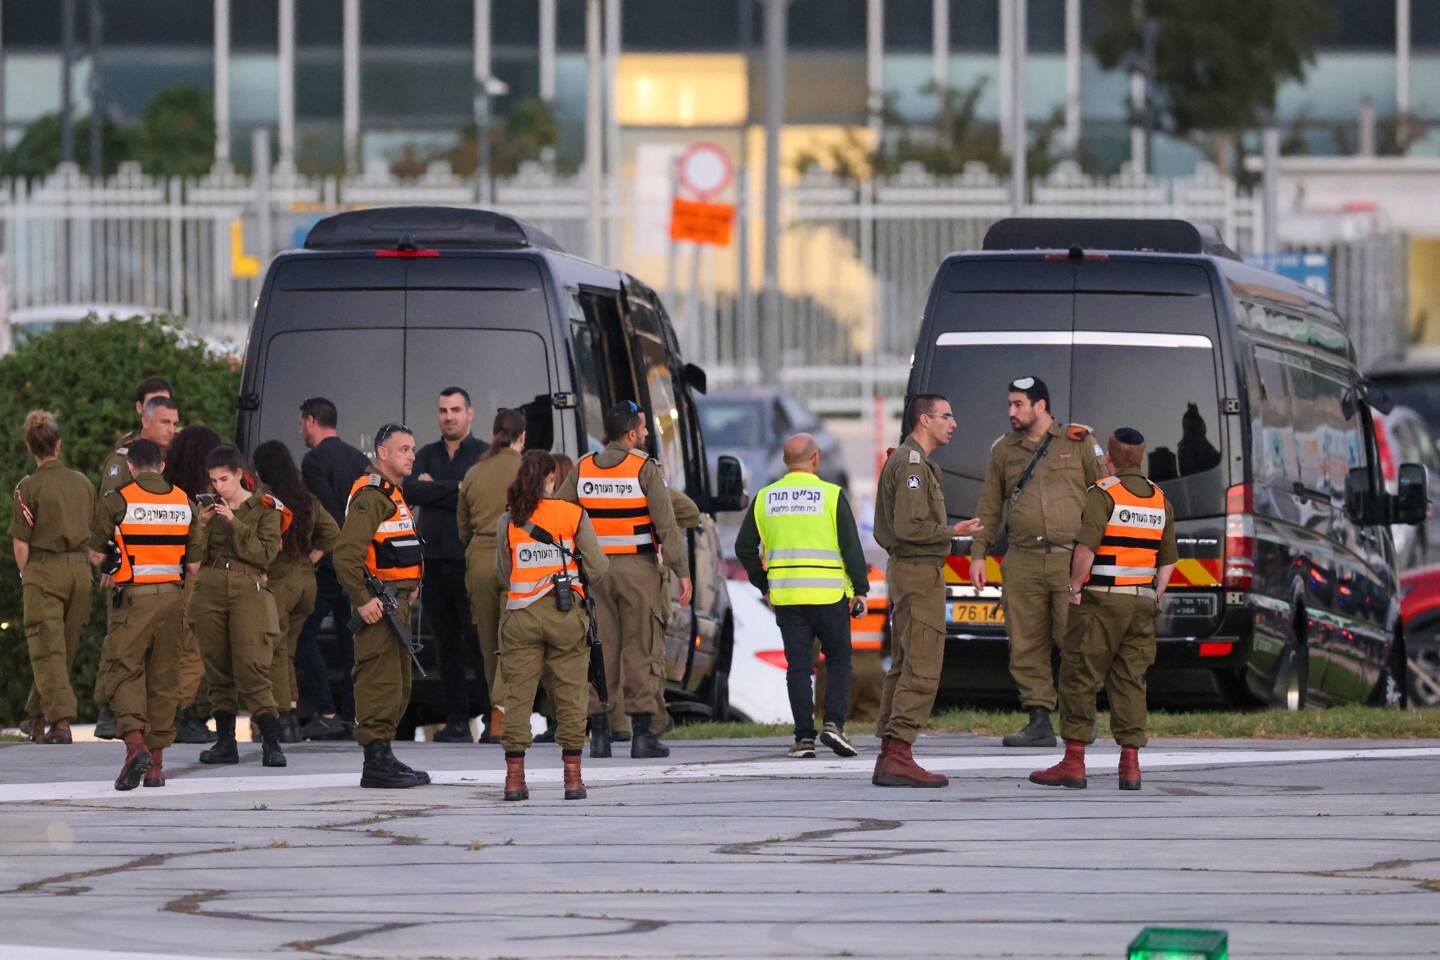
{"x":329,"y":469}
{"x":434,"y":487}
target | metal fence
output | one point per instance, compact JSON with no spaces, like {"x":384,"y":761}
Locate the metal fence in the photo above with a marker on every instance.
{"x":856,"y":259}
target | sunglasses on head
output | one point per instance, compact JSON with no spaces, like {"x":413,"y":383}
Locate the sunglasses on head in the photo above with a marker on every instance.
{"x":388,"y":431}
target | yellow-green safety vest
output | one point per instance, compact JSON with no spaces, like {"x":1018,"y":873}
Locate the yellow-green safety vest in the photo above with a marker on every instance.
{"x":796,"y":519}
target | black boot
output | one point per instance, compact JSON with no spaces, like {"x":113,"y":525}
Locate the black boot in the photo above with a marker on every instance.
{"x":105,"y":723}
{"x":1037,"y":733}
{"x":289,"y":727}
{"x":420,"y":775}
{"x":599,"y":736}
{"x":643,"y":744}
{"x":270,"y":753}
{"x":225,"y":750}
{"x":189,"y":728}
{"x":454,"y":731}
{"x":381,"y":771}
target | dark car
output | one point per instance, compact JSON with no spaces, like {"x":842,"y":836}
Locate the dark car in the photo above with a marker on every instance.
{"x":384,"y":307}
{"x":1413,"y":381}
{"x":1259,"y":432}
{"x":752,"y":425}
{"x":1403,"y":436}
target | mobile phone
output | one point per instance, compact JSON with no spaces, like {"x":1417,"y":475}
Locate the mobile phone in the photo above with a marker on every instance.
{"x":207,"y":499}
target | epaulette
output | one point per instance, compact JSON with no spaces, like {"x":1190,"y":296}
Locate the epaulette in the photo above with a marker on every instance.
{"x":998,"y":441}
{"x":122,"y":451}
{"x":639,"y":453}
{"x":381,"y":484}
{"x":915,"y":457}
{"x":273,"y":502}
{"x":1077,"y":431}
{"x":1105,"y":483}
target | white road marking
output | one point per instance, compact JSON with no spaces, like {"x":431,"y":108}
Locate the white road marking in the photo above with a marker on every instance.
{"x":29,"y":952}
{"x":546,"y":769}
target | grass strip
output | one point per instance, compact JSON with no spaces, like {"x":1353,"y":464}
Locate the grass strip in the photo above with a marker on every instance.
{"x":1336,"y":723}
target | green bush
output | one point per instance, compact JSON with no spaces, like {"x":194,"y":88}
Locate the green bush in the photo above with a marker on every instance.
{"x":86,"y":375}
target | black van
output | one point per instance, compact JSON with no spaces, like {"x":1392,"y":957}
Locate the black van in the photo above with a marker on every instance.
{"x":385,"y":307}
{"x":1259,"y":432}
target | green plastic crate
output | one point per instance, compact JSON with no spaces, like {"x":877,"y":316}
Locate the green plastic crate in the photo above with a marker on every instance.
{"x":1168,"y":943}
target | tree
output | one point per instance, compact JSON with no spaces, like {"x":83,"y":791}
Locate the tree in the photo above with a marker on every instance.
{"x":1218,"y":64}
{"x":176,"y":134}
{"x":530,"y":129}
{"x":85,"y":374}
{"x":38,"y":151}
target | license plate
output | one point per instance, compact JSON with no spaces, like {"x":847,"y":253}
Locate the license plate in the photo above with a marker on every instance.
{"x":1189,"y":604}
{"x":974,"y":612}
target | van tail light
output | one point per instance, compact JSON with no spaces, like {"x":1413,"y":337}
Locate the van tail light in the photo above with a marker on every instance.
{"x":1382,"y":443}
{"x":1239,"y":537}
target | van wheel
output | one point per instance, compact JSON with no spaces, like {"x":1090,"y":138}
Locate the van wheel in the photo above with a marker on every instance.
{"x":1422,"y":674}
{"x":1292,"y":676}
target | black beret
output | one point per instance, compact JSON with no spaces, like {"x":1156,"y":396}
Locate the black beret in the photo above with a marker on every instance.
{"x":1129,"y":436}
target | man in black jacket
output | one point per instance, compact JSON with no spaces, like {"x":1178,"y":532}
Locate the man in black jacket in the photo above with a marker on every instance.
{"x":434,"y":487}
{"x":329,"y":469}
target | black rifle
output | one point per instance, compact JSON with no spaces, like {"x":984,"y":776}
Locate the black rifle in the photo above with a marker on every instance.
{"x":599,"y":722}
{"x":391,"y":615}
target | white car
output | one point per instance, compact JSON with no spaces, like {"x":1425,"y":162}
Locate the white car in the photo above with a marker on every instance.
{"x":757,"y":669}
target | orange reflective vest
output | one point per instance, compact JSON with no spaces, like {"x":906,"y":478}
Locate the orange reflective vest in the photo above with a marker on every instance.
{"x":286,"y":516}
{"x":533,"y":565}
{"x":395,"y":550}
{"x":868,"y":633}
{"x":616,"y":504}
{"x":1130,"y":549}
{"x":152,"y":535}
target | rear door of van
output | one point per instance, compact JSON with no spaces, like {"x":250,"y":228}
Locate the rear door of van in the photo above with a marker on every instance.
{"x":1120,"y":341}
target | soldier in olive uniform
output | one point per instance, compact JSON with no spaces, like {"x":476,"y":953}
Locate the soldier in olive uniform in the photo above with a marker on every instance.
{"x":379,"y":537}
{"x":140,"y":535}
{"x":624,"y":492}
{"x":912,"y":525}
{"x":236,"y":537}
{"x":537,"y":637}
{"x":477,"y":512}
{"x":1124,"y":555}
{"x":159,"y":419}
{"x":49,"y":529}
{"x":1040,"y":526}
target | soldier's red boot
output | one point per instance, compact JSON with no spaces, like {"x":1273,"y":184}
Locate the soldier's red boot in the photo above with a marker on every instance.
{"x":515,"y":788}
{"x":1129,"y":768}
{"x":574,"y":786}
{"x":137,"y":761}
{"x":1069,"y":772}
{"x":155,"y":776}
{"x":896,"y":767}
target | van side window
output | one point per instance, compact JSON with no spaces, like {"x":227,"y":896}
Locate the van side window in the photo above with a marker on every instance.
{"x":1273,"y":431}
{"x":589,"y":379}
{"x":1327,"y":442}
{"x":666,"y":416}
{"x":602,"y":361}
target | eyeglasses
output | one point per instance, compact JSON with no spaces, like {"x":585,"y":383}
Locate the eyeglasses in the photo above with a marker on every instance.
{"x":1024,"y":383}
{"x":389,"y":430}
{"x":941,"y":416}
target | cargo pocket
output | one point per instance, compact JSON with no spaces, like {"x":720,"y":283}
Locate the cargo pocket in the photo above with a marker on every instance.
{"x":272,"y":613}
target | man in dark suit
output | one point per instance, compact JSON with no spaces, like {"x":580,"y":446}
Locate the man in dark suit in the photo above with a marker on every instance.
{"x":434,"y":487}
{"x":330,"y":469}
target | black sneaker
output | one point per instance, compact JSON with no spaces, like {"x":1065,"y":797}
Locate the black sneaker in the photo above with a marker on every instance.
{"x":322,"y":727}
{"x":803,"y":750}
{"x":834,"y":738}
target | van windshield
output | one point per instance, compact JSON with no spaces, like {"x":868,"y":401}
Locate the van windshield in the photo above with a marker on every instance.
{"x":1168,"y":393}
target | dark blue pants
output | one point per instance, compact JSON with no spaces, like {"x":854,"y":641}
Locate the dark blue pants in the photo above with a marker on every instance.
{"x":800,"y":625}
{"x":310,"y":667}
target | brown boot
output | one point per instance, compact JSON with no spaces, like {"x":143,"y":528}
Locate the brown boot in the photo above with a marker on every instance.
{"x":515,"y":788}
{"x":1069,"y":772}
{"x":155,"y":776}
{"x":137,"y":761}
{"x":896,"y":767}
{"x":59,"y":732}
{"x":574,"y":786}
{"x":1129,"y":768}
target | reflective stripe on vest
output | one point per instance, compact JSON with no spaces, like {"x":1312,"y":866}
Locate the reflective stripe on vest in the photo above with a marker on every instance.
{"x":152,"y":535}
{"x":1129,"y":551}
{"x":801,"y":548}
{"x":616,"y":503}
{"x":394,"y":552}
{"x":533,"y":565}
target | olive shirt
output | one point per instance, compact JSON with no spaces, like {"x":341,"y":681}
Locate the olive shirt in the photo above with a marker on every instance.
{"x":657,"y":502}
{"x":115,"y":471}
{"x":910,"y":517}
{"x":110,"y":510}
{"x":369,"y":507}
{"x":1099,"y":505}
{"x":60,"y":503}
{"x":482,"y":494}
{"x":253,"y":537}
{"x":324,"y":531}
{"x":596,"y":563}
{"x":1048,"y":511}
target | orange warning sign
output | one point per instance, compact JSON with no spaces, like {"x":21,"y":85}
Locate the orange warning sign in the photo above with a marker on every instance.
{"x":701,"y":222}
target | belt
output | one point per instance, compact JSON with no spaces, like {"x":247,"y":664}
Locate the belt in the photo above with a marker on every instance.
{"x":138,"y":589}
{"x":1038,"y":544}
{"x":1132,"y":591}
{"x":239,"y":566}
{"x":73,"y":555}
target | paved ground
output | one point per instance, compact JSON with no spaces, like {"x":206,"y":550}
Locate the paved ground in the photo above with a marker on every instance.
{"x":1299,"y":850}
